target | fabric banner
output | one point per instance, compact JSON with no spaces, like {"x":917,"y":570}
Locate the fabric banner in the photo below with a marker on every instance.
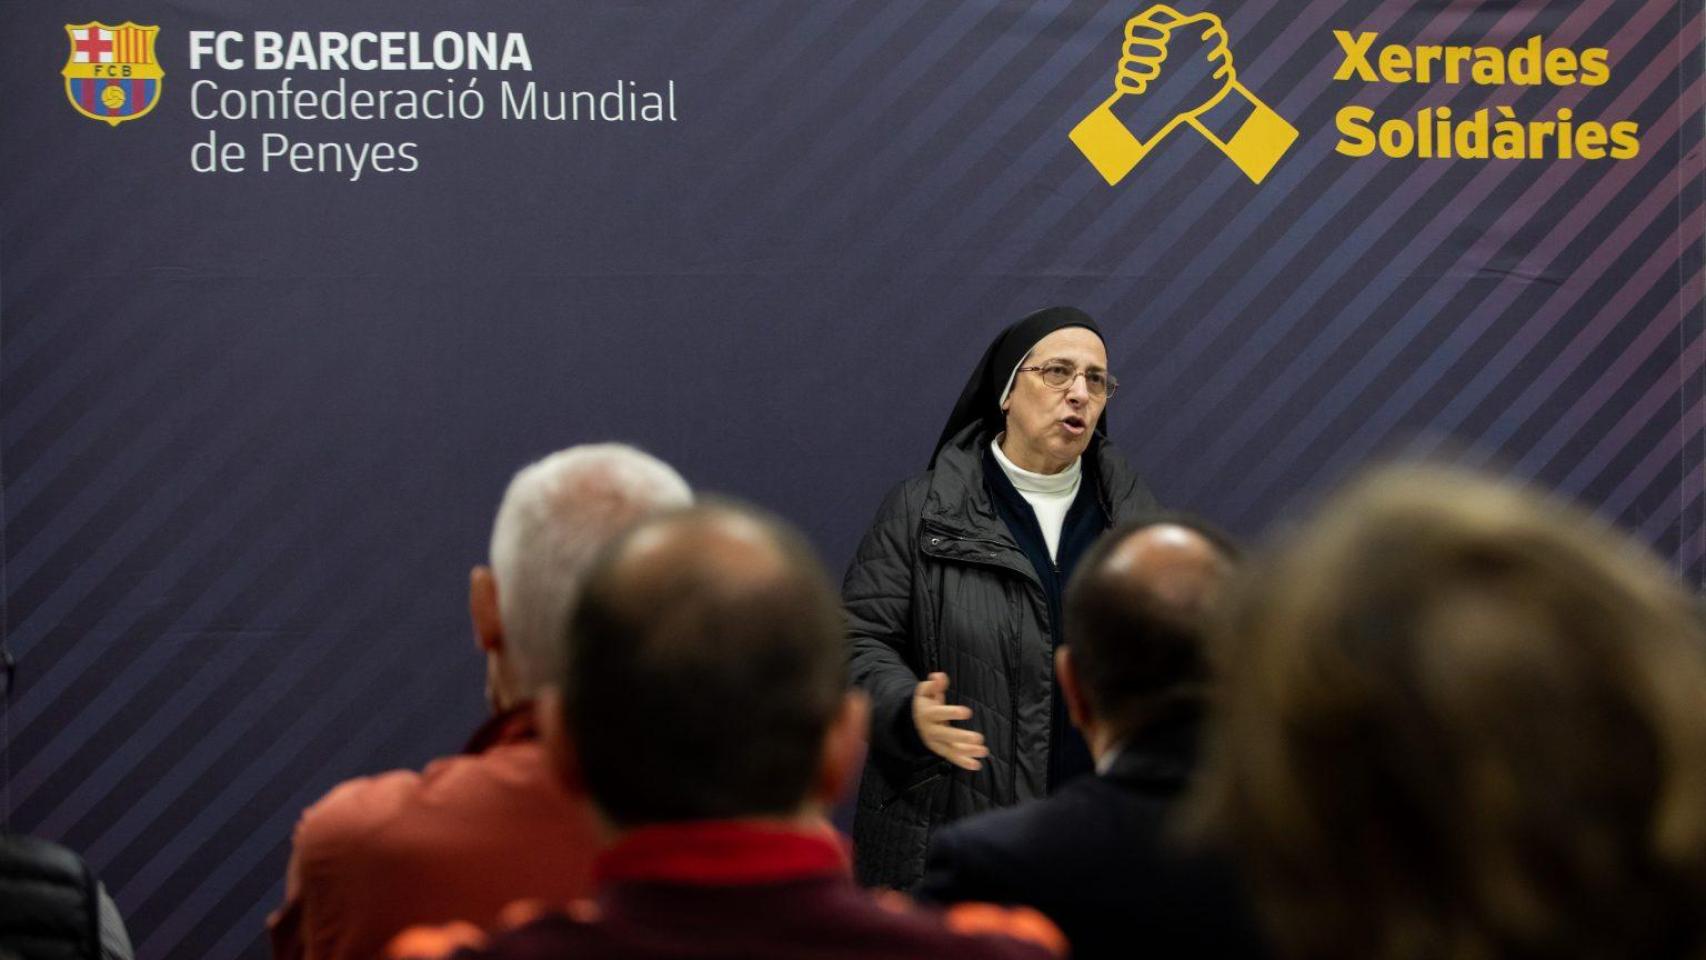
{"x":288,"y":292}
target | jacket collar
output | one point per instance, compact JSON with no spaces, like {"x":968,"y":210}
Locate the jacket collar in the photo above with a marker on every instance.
{"x":514,"y":725}
{"x":1160,"y":757}
{"x":958,"y":502}
{"x":722,"y":853}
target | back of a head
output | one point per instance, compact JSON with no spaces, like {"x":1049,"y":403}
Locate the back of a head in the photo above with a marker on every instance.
{"x":1136,"y":615}
{"x":555,"y":517}
{"x":1462,"y":720}
{"x":705,"y":667}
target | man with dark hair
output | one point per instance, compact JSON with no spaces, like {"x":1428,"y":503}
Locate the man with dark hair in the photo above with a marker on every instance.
{"x":1098,"y":857}
{"x":704,"y":710}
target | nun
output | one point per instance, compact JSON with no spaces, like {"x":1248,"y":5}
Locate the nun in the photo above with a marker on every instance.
{"x":954,"y":596}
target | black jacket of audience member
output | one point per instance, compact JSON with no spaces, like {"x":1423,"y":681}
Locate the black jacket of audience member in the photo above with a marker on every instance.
{"x":52,"y":907}
{"x":941,"y":583}
{"x":1098,"y":859}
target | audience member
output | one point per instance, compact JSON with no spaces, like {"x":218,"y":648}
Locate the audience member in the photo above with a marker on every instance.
{"x":474,"y":832}
{"x":1464,"y":721}
{"x":706,"y":713}
{"x":51,"y":905}
{"x":1099,"y":857}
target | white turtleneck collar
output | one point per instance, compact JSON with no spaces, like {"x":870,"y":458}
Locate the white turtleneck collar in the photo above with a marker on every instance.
{"x":1049,"y":494}
{"x":1027,"y":482}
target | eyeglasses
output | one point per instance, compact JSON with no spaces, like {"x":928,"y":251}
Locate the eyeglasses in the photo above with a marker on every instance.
{"x":1100,"y":383}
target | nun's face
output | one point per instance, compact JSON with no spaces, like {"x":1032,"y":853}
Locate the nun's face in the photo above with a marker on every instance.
{"x":1049,"y":427}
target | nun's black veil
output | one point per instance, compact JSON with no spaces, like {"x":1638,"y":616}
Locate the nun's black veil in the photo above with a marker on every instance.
{"x":980,"y":401}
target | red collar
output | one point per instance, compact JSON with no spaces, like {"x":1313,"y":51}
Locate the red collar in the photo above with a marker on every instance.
{"x":514,"y":725}
{"x":722,"y":852}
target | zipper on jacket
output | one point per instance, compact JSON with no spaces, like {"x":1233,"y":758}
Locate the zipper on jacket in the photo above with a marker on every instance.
{"x":935,"y":537}
{"x":935,"y":540}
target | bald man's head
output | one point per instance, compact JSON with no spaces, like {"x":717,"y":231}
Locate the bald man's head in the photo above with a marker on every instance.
{"x":705,"y":665}
{"x":686,"y":562}
{"x":1137,"y":614}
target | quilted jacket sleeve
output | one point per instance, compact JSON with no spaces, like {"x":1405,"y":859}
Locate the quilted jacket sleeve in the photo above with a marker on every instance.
{"x":884,"y":656}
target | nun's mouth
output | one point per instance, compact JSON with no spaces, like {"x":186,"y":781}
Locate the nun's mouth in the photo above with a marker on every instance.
{"x":1074,"y":425}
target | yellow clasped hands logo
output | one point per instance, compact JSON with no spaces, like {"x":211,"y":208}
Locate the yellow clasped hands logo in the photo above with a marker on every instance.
{"x":1185,"y":66}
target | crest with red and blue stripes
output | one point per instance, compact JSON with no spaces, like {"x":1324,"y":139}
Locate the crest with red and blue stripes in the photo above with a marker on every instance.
{"x":111,"y":73}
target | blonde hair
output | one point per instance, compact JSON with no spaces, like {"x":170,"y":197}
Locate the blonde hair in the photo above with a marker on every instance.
{"x":1465,"y":721}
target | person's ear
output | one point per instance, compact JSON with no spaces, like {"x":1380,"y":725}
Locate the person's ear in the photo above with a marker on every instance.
{"x":1066,"y":672}
{"x":483,"y":609}
{"x":559,"y":745}
{"x":844,"y":747}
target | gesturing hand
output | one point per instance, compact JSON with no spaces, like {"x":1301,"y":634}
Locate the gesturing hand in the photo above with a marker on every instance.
{"x":934,"y":718}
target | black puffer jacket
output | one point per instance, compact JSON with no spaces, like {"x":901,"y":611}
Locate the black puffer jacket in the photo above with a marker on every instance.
{"x":52,"y":907}
{"x":939,"y":583}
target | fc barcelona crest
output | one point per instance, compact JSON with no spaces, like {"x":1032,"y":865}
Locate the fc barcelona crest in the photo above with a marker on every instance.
{"x":111,"y":74}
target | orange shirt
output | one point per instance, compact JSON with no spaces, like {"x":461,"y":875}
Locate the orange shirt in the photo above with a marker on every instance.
{"x":457,"y":841}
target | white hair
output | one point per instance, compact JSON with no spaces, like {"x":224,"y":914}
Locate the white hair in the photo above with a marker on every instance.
{"x":554,"y":518}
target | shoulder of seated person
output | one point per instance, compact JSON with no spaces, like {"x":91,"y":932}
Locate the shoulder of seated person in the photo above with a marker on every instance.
{"x":356,"y":806}
{"x":1017,"y":931}
{"x":360,"y":805}
{"x":1014,"y":843}
{"x":524,"y":923}
{"x":1015,"y":824}
{"x":1025,"y":925}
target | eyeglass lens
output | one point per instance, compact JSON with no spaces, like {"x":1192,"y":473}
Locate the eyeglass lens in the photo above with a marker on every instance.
{"x":1059,"y":375}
